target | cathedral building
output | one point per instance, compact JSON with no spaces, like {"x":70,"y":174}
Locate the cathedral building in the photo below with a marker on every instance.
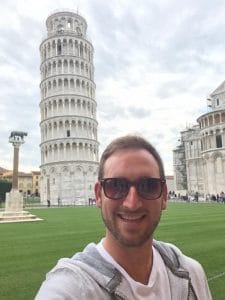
{"x":199,"y":160}
{"x":69,"y":145}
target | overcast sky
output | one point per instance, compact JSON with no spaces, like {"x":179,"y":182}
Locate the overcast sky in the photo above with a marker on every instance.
{"x":156,"y":62}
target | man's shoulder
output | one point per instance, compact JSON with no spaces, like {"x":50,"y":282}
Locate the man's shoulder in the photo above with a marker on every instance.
{"x":169,"y":253}
{"x":180,"y":264}
{"x":185,"y":267}
{"x":87,"y":257}
{"x":74,"y":277}
{"x":174,"y":258}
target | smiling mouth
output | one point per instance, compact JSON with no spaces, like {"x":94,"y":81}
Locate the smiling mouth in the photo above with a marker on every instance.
{"x":125,"y":217}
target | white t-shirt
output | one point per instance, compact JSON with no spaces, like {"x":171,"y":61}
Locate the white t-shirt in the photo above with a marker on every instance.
{"x":158,"y":285}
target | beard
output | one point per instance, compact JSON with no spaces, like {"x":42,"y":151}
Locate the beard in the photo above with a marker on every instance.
{"x":121,"y":238}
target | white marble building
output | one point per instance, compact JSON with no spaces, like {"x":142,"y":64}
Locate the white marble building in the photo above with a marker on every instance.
{"x":212,"y":132}
{"x":188,"y":163}
{"x":69,"y":146}
{"x":201,"y":153}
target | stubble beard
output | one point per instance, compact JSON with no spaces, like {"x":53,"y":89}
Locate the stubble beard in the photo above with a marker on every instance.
{"x":138,"y":242}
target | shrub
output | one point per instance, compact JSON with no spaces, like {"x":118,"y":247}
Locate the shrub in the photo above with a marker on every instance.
{"x":5,"y":187}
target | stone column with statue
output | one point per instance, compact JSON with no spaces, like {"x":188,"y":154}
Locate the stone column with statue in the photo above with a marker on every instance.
{"x":14,"y":199}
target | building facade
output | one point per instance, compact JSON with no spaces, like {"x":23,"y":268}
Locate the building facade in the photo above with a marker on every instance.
{"x":36,"y":183}
{"x":28,"y":183}
{"x":180,"y":173}
{"x":170,"y":183}
{"x":212,"y":131}
{"x":202,"y":151}
{"x":69,"y":146}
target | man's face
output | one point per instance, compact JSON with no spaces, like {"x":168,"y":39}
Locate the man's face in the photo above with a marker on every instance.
{"x":130,"y":221}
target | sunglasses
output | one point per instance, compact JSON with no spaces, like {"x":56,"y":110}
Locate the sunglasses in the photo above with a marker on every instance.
{"x":146,"y":187}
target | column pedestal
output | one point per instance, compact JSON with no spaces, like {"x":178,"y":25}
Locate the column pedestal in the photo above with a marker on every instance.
{"x":14,"y":209}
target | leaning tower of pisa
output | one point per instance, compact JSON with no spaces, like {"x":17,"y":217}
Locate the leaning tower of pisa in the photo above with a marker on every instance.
{"x":69,"y":146}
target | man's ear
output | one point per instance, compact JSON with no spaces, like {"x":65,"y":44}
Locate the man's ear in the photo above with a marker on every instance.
{"x":164,"y":196}
{"x":98,"y":194}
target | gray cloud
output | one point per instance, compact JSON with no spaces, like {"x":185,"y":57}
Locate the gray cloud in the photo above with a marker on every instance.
{"x":138,"y":112}
{"x":155,"y":61}
{"x":111,"y":111}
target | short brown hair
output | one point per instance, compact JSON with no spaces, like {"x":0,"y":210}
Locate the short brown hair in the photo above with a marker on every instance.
{"x":129,"y":142}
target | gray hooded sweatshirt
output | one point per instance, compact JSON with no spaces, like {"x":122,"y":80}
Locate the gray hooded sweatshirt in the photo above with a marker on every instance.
{"x":87,"y":276}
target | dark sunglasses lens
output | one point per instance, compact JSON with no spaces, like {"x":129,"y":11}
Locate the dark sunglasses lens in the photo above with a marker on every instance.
{"x":149,"y":188}
{"x":115,"y":188}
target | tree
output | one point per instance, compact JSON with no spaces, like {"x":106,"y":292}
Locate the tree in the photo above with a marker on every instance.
{"x":5,"y":187}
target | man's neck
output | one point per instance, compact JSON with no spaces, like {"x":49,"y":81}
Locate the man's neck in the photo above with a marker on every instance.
{"x":136,"y":261}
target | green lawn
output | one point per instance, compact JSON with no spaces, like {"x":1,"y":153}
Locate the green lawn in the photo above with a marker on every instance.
{"x":29,"y":250}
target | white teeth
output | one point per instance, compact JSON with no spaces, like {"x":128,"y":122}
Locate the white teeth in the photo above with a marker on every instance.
{"x":131,"y":217}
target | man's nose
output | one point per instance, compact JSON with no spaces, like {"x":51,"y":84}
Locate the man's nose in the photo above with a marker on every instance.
{"x":132,"y":200}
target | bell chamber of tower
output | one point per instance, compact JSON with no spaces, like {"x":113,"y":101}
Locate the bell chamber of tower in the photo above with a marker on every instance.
{"x":69,"y":146}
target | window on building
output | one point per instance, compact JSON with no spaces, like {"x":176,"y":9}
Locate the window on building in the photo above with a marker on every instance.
{"x":69,"y":24}
{"x":218,"y":141}
{"x":60,"y":28}
{"x":59,"y":49}
{"x":68,"y":133}
{"x":217,"y":101}
{"x":78,"y":30}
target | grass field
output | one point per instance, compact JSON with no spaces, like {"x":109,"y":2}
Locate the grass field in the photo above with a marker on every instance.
{"x":29,"y":250}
